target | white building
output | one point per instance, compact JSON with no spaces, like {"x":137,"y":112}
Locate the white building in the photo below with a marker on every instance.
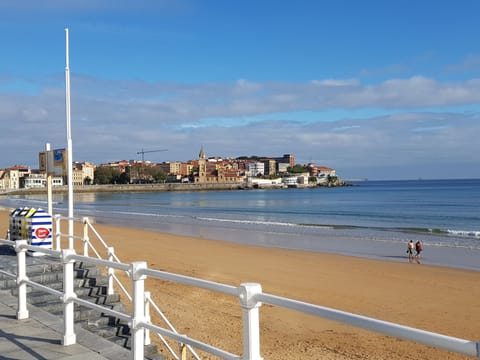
{"x":40,"y":181}
{"x":10,"y":178}
{"x":264,"y":183}
{"x":283,"y":167}
{"x":255,"y":168}
{"x":290,"y":181}
{"x":323,"y":173}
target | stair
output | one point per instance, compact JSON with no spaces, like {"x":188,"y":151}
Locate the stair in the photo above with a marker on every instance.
{"x":90,"y":285}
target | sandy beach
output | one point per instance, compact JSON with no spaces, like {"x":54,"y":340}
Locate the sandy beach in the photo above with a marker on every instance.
{"x":431,"y":298}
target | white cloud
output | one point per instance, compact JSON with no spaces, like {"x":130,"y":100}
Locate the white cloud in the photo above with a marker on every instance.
{"x":336,"y":82}
{"x":113,"y":120}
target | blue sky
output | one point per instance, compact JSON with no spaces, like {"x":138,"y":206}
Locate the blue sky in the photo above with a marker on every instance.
{"x":374,"y":89}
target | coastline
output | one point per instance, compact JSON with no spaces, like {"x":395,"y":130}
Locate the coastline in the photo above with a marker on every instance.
{"x":432,"y":298}
{"x":129,"y":188}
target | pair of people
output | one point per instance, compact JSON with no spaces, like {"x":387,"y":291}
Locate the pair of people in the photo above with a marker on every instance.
{"x":418,"y":247}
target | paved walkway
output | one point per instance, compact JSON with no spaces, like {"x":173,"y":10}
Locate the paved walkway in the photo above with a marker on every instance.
{"x":40,"y":336}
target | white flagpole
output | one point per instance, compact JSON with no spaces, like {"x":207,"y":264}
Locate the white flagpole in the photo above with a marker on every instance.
{"x":69,"y":145}
{"x":48,"y":151}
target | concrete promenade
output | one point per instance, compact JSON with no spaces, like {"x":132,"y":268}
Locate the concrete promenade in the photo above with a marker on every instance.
{"x":40,"y":336}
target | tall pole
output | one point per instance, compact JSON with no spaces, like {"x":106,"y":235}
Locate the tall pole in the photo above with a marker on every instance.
{"x":69,"y":144}
{"x":49,"y":178}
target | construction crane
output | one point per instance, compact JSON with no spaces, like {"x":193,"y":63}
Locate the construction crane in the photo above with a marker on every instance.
{"x":143,"y":152}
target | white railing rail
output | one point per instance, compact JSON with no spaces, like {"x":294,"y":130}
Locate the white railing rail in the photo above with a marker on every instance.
{"x":113,"y":280}
{"x":250,"y":297}
{"x":384,"y":327}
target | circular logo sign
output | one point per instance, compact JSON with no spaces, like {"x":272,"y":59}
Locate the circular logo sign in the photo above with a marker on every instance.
{"x":42,"y":233}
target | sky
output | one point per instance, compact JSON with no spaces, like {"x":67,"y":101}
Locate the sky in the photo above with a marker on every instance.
{"x":373,"y":89}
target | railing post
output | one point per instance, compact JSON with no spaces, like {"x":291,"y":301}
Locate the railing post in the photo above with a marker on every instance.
{"x":147,"y":317}
{"x":138,"y":306}
{"x":110,"y":271}
{"x":251,"y":320}
{"x":69,"y":337}
{"x":22,"y":311}
{"x":183,"y":351}
{"x":86,"y":239}
{"x":58,"y":236}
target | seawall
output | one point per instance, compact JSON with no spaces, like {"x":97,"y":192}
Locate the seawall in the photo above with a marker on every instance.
{"x":130,"y":188}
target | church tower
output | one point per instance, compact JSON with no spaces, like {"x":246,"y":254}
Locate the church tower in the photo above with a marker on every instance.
{"x":202,"y":166}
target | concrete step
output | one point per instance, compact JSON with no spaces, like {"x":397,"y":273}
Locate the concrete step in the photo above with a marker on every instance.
{"x":94,"y":295}
{"x":45,"y":278}
{"x":126,"y":342}
{"x":109,"y":331}
{"x":48,"y":266}
{"x":97,"y":286}
{"x":91,"y":285}
{"x":120,"y":333}
{"x":81,"y":313}
{"x":99,"y":322}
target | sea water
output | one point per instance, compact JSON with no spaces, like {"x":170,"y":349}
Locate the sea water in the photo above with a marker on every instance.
{"x":371,"y":218}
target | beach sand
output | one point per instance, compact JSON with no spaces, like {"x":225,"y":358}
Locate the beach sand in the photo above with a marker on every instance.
{"x":431,"y":298}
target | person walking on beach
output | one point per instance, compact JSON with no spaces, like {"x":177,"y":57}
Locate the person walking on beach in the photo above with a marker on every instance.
{"x":410,"y":248}
{"x":418,"y":249}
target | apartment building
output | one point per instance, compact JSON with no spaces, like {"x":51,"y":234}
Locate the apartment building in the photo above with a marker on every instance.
{"x":256,"y":168}
{"x":170,"y":168}
{"x":270,"y":166}
{"x":11,"y":178}
{"x":83,"y":173}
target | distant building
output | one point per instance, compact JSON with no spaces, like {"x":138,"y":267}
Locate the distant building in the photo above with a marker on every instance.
{"x":290,"y":181}
{"x":186,"y":169}
{"x":83,"y":173}
{"x":287,"y":159}
{"x":255,"y":168}
{"x":11,"y":178}
{"x":55,"y":162}
{"x":295,"y":180}
{"x":282,"y":167}
{"x":215,"y":171}
{"x":121,"y":165}
{"x":270,"y":166}
{"x":170,"y":168}
{"x":264,"y":183}
{"x":322,"y":173}
{"x":33,"y":181}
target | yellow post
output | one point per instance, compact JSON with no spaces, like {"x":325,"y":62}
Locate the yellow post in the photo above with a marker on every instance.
{"x":183,"y":351}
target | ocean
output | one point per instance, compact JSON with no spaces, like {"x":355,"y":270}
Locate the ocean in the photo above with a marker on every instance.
{"x":373,"y":219}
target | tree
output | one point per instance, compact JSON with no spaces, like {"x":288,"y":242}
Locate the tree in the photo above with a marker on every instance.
{"x":106,"y":175}
{"x":159,"y":177}
{"x":297,"y":169}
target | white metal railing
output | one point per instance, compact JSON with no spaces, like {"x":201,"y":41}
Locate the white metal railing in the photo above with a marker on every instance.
{"x":113,"y":280}
{"x":250,"y":296}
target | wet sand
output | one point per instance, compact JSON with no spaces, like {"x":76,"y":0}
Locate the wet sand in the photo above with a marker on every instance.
{"x":433,"y":298}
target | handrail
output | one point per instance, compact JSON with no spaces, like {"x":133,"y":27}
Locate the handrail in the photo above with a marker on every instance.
{"x":250,"y":295}
{"x":380,"y":326}
{"x":198,"y":344}
{"x":87,"y":225}
{"x":191,"y":281}
{"x":3,"y":272}
{"x":125,"y":291}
